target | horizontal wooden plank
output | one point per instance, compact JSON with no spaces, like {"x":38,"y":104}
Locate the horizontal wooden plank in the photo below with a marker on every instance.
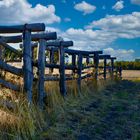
{"x":35,"y":27}
{"x":10,"y":68}
{"x":9,"y":47}
{"x":60,"y":43}
{"x":9,"y":85}
{"x":104,"y":56}
{"x":70,"y":51}
{"x":34,"y":37}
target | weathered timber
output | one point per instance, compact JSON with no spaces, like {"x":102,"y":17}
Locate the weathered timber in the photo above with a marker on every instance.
{"x":62,"y":82}
{"x":9,"y":85}
{"x":96,"y":64}
{"x":70,"y":51}
{"x":60,"y":43}
{"x":51,"y":60}
{"x":9,"y":47}
{"x":20,"y":28}
{"x":27,"y":64}
{"x":112,"y":66}
{"x":10,"y":68}
{"x":87,"y":67}
{"x":87,"y":60}
{"x":74,"y":62}
{"x":105,"y":62}
{"x":79,"y":71}
{"x":104,"y":56}
{"x":41,"y":71}
{"x":34,"y":37}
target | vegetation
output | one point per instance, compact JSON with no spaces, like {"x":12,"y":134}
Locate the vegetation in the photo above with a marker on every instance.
{"x":102,"y":110}
{"x":128,"y":65}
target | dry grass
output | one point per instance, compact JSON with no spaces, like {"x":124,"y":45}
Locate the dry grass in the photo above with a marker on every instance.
{"x":131,"y":74}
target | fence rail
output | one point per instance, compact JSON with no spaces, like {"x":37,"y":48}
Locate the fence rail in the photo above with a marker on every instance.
{"x":48,"y":42}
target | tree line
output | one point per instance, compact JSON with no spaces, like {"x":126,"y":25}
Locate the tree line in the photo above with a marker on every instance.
{"x":128,"y":65}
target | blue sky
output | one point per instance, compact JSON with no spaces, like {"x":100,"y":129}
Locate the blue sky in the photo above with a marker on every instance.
{"x":109,"y":25}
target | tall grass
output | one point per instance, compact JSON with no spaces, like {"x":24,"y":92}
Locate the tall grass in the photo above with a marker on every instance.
{"x":24,"y":121}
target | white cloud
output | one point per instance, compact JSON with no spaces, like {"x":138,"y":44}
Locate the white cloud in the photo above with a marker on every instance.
{"x":120,"y":54}
{"x":20,"y":11}
{"x":118,"y":6}
{"x":101,"y":34}
{"x":67,"y":19}
{"x":85,"y":7}
{"x":137,"y":2}
{"x":122,"y":26}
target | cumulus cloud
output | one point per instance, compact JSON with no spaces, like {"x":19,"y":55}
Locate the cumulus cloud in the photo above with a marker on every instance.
{"x":121,"y":54}
{"x":96,"y":40}
{"x":137,"y":2}
{"x":85,"y":7}
{"x":118,"y":6}
{"x":20,"y":11}
{"x":122,"y":26}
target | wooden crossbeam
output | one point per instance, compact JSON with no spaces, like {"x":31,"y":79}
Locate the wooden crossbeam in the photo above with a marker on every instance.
{"x":9,"y":47}
{"x":60,"y":43}
{"x":20,"y":28}
{"x":10,"y":68}
{"x":34,"y":37}
{"x":9,"y":85}
{"x":104,"y":56}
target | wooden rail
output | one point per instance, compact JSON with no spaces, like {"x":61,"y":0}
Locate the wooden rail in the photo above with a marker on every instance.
{"x":48,"y":42}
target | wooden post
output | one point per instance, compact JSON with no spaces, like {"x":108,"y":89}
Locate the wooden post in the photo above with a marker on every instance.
{"x":27,"y":64}
{"x":51,"y":60}
{"x":112,"y":68}
{"x":41,"y":71}
{"x":87,"y":60}
{"x":96,"y":63}
{"x":105,"y":62}
{"x":79,"y":72}
{"x":62,"y":83}
{"x":120,"y":72}
{"x":73,"y":61}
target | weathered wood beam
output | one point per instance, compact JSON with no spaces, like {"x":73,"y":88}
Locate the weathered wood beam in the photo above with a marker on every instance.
{"x":79,"y":71}
{"x":70,"y":51}
{"x":9,"y":47}
{"x":62,"y":83}
{"x":41,"y":71}
{"x":96,"y":64}
{"x":87,"y":60}
{"x":10,"y":68}
{"x":74,"y":61}
{"x":60,"y":43}
{"x":9,"y":85}
{"x":104,"y":56}
{"x":105,"y":63}
{"x":51,"y":60}
{"x":20,"y":28}
{"x":27,"y":64}
{"x":34,"y":37}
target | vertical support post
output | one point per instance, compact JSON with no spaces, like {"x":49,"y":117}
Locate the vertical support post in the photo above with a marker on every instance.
{"x":79,"y":71}
{"x":27,"y":64}
{"x":87,"y":60}
{"x":112,"y":68}
{"x":62,"y":83}
{"x":73,"y":61}
{"x":105,"y":62}
{"x":51,"y":60}
{"x":120,"y":72}
{"x":41,"y":71}
{"x":96,"y":64}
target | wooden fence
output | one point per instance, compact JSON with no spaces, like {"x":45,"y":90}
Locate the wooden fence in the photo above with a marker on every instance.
{"x":48,"y":42}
